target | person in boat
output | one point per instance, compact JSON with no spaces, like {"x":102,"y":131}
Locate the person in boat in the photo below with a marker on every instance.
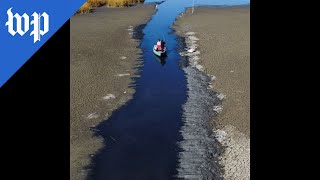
{"x":159,"y":45}
{"x":162,"y":44}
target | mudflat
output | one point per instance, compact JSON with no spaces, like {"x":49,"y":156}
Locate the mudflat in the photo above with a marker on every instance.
{"x":223,"y":35}
{"x":104,"y":56}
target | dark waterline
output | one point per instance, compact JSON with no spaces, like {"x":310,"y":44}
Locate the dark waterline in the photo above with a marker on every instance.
{"x":141,"y":137}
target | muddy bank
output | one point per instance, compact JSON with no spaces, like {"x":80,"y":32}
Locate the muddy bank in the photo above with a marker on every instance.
{"x":104,"y":61}
{"x":218,"y":46}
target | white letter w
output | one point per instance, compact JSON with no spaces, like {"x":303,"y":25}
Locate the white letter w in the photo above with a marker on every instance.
{"x":9,"y":23}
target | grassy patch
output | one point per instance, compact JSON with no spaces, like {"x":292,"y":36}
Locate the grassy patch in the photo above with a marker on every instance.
{"x":97,"y":3}
{"x":86,"y":7}
{"x":123,"y":3}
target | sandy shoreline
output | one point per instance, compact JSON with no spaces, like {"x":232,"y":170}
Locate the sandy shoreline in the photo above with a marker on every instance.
{"x":219,"y":44}
{"x":103,"y":56}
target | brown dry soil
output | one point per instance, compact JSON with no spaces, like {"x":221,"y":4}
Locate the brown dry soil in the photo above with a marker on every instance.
{"x":224,"y":45}
{"x":103,"y":59}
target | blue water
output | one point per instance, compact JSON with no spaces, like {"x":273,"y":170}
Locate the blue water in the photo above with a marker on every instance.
{"x":141,"y":137}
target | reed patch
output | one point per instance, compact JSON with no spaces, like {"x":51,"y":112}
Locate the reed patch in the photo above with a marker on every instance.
{"x":90,"y":4}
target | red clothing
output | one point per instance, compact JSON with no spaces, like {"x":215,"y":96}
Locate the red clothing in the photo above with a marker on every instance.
{"x":159,"y":46}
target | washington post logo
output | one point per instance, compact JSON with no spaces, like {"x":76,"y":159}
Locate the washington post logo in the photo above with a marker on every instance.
{"x":38,"y":21}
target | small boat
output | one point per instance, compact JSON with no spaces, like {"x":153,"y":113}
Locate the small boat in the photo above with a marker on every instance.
{"x":159,"y":53}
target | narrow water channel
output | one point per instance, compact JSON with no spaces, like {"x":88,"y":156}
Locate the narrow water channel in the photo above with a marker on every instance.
{"x":141,"y":137}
